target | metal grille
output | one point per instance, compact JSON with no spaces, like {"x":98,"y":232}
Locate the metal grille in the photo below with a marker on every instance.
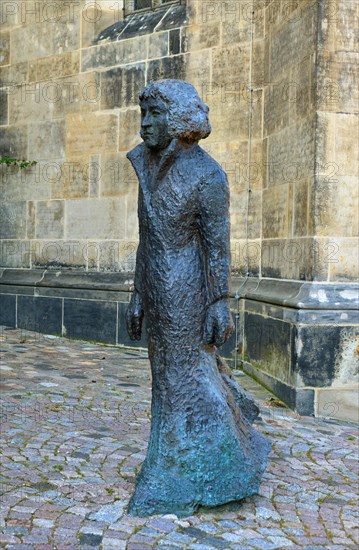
{"x":132,"y":6}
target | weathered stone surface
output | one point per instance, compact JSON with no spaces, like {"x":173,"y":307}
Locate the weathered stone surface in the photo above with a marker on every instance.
{"x":46,"y":140}
{"x":159,"y":44}
{"x":275,"y":212}
{"x":337,"y":24}
{"x":233,"y":20}
{"x":200,"y":37}
{"x":300,"y":208}
{"x":31,"y":183}
{"x":121,"y":87}
{"x":15,"y":253}
{"x":96,"y":219}
{"x":71,"y":179}
{"x":28,"y":103}
{"x":291,"y":153}
{"x":344,"y":258}
{"x":4,"y":48}
{"x":346,"y":126}
{"x":246,"y":208}
{"x":3,"y":107}
{"x":299,"y":33}
{"x":69,"y":254}
{"x":94,"y":176}
{"x":14,"y":74}
{"x":167,"y":67}
{"x":114,"y":53}
{"x":315,"y":364}
{"x":242,"y":169}
{"x":38,"y":40}
{"x":74,"y":94}
{"x":231,"y":63}
{"x":198,"y":68}
{"x":246,"y":257}
{"x":131,"y":217}
{"x":341,"y":403}
{"x":13,"y":220}
{"x":276,"y":106}
{"x":338,"y":82}
{"x":56,"y":66}
{"x":13,"y":141}
{"x":117,"y":175}
{"x":334,"y":365}
{"x":329,"y":218}
{"x":303,"y":259}
{"x":50,"y":219}
{"x":267,"y":346}
{"x":302,"y":89}
{"x":119,"y":256}
{"x":95,"y":20}
{"x":80,"y":129}
{"x":30,"y":219}
{"x":227,"y":104}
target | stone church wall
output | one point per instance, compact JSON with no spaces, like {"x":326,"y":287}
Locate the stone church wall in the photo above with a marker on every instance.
{"x":280,"y":78}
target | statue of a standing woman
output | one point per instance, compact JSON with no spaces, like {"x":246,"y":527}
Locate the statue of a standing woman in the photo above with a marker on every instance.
{"x":202,"y":448}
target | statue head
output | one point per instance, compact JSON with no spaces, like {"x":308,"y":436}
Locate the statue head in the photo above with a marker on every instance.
{"x":172,"y":109}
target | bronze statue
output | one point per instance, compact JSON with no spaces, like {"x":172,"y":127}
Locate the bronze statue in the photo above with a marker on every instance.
{"x":202,"y":449}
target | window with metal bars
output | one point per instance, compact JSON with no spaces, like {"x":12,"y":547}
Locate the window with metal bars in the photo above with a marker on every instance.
{"x":134,"y":6}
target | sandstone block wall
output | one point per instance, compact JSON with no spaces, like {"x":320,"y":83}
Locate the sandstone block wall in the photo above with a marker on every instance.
{"x":280,"y":78}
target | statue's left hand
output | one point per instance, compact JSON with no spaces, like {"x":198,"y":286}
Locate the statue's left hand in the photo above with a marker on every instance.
{"x":134,"y":316}
{"x":219,"y":326}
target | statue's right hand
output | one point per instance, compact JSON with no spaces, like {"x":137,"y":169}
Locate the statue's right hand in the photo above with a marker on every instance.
{"x":134,"y":316}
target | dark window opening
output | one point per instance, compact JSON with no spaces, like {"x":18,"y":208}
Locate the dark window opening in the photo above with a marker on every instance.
{"x":132,"y":6}
{"x":142,"y":4}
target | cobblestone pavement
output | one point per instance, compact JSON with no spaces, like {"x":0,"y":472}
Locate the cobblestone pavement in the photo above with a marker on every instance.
{"x":75,"y":425}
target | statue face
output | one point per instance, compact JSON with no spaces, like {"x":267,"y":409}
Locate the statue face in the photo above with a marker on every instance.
{"x":154,"y":124}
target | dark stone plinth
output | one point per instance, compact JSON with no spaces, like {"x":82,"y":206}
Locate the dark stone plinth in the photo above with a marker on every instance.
{"x":39,"y":314}
{"x":299,"y":338}
{"x":8,"y":310}
{"x":90,"y":320}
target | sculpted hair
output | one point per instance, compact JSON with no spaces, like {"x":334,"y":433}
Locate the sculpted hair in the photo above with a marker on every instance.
{"x":188,"y":115}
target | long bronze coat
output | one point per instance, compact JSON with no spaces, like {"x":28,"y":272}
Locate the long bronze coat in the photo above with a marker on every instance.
{"x":202,"y":449}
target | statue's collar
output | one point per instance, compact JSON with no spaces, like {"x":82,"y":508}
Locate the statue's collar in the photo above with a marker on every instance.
{"x":145,"y":161}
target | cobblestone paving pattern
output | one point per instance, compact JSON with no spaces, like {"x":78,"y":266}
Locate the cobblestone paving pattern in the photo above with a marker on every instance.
{"x":75,"y":425}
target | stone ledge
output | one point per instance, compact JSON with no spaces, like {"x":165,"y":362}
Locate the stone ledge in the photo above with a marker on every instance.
{"x":299,"y":294}
{"x":291,"y":294}
{"x":86,"y":280}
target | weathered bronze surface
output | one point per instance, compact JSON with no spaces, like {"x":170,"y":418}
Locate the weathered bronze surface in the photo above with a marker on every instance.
{"x":202,"y":449}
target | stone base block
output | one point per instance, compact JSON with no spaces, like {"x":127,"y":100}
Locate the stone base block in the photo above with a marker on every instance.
{"x":300,"y":340}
